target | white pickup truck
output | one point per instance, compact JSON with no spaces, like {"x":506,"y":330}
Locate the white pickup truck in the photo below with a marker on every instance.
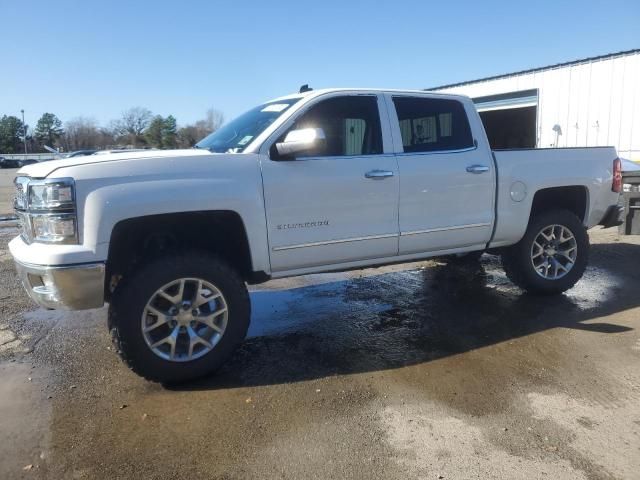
{"x":317,"y":181}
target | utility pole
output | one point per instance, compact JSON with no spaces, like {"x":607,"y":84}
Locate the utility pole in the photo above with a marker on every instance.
{"x":24,"y":132}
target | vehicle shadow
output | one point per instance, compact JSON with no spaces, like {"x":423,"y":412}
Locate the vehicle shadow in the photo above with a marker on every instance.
{"x":408,"y":317}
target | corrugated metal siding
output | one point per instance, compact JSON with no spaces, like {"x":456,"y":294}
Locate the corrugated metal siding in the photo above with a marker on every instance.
{"x":595,"y":103}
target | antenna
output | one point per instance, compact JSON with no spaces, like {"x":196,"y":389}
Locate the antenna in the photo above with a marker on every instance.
{"x":305,"y":88}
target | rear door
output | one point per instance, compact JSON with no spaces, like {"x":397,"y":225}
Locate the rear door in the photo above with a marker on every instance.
{"x":340,"y":203}
{"x":447,"y":184}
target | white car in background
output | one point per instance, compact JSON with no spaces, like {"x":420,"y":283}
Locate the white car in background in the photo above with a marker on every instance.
{"x":629,"y":166}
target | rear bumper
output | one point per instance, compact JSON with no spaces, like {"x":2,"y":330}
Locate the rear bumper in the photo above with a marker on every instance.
{"x":613,"y":217}
{"x":73,"y":287}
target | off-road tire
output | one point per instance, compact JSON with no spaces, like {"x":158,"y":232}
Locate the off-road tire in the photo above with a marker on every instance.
{"x":129,"y":300}
{"x":517,"y":264}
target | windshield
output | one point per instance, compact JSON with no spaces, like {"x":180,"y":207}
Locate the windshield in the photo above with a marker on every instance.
{"x":236,"y":135}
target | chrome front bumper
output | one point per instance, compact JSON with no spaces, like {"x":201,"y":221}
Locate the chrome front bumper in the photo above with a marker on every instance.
{"x":74,"y":287}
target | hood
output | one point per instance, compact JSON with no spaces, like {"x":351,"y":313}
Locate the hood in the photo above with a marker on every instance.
{"x":46,"y":168}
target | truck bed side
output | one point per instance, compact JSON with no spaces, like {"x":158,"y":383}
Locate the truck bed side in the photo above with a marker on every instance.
{"x":523,"y":173}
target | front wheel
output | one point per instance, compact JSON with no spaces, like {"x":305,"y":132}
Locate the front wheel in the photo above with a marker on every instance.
{"x":552,"y":255}
{"x":180,"y":317}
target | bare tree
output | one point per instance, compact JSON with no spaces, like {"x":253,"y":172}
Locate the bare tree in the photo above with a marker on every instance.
{"x":84,"y":133}
{"x":213,"y":121}
{"x":132,"y":124}
{"x":189,"y":135}
{"x":80,"y":133}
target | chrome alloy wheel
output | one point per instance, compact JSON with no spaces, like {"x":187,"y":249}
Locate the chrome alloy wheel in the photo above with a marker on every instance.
{"x":554,"y":252}
{"x":184,"y":319}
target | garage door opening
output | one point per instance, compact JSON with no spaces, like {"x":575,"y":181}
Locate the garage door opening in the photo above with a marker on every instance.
{"x":511,"y":128}
{"x":510,"y":118}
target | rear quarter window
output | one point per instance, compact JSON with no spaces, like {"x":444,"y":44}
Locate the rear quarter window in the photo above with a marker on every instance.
{"x":431,"y":124}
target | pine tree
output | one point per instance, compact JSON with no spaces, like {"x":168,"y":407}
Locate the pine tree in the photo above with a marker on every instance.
{"x":154,"y":132}
{"x":169,"y":132}
{"x":11,"y":131}
{"x":48,"y":129}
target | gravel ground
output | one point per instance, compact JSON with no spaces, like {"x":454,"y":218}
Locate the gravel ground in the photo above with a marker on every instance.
{"x":424,"y":370}
{"x":6,"y":190}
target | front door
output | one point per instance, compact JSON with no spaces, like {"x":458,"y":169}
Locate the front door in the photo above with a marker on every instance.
{"x":448,"y":183}
{"x":339,"y":203}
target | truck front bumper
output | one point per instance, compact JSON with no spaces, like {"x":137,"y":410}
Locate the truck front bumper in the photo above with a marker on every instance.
{"x":72,"y":287}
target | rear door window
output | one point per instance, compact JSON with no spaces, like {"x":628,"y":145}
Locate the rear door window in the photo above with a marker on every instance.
{"x":432,"y":124}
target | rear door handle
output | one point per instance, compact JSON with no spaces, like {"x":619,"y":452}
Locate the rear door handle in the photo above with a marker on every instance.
{"x":477,"y":168}
{"x":378,"y":174}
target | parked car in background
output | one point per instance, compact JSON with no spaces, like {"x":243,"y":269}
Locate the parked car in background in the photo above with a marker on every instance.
{"x":629,"y":166}
{"x":10,"y":163}
{"x":312,"y":182}
{"x":16,"y":162}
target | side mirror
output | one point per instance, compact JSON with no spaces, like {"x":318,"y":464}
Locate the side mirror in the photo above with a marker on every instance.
{"x":298,"y":141}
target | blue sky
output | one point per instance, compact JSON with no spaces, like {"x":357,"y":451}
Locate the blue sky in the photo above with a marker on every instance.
{"x":96,"y":59}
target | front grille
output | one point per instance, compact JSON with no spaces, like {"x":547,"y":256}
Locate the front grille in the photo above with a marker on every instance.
{"x":25,"y":226}
{"x":20,"y":198}
{"x":20,"y":206}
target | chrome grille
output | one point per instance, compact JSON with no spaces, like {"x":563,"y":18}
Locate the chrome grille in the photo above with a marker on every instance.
{"x":25,"y":227}
{"x":20,"y":205}
{"x":20,"y":198}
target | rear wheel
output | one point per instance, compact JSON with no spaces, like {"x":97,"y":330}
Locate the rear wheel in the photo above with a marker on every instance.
{"x":179,"y":317}
{"x":552,"y":255}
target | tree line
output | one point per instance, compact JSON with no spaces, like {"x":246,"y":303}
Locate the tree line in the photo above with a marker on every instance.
{"x":138,"y":127}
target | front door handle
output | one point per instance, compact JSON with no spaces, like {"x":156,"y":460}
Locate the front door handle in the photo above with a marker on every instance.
{"x":477,"y":168}
{"x":378,"y":174}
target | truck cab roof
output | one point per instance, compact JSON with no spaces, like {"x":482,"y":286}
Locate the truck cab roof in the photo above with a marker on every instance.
{"x":324,"y":91}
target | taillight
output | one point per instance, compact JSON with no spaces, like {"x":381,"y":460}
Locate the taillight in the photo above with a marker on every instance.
{"x":616,"y":185}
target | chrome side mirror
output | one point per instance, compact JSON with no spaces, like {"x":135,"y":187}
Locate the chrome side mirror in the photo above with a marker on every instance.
{"x":298,"y":141}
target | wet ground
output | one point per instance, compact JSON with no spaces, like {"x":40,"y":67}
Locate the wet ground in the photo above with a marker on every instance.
{"x":426,"y":370}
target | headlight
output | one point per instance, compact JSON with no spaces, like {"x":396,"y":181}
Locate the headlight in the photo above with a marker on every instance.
{"x":47,"y":210}
{"x":54,"y":228}
{"x":51,"y":194}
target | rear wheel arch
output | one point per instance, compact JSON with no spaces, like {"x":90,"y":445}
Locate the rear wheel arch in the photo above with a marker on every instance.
{"x":574,"y":198}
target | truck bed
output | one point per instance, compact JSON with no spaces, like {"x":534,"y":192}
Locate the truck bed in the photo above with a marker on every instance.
{"x":523,"y":171}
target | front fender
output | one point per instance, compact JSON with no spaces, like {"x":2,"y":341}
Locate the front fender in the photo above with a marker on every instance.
{"x":113,"y":192}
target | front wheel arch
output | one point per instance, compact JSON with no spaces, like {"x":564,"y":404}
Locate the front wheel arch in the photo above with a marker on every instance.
{"x":140,"y":240}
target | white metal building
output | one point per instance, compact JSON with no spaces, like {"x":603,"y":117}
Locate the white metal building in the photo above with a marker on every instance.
{"x":589,"y":102}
